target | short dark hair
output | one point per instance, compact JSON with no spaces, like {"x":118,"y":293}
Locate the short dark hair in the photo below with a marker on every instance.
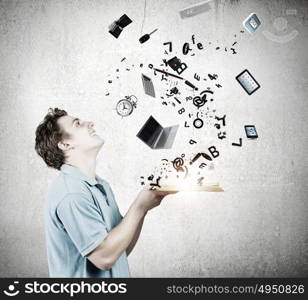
{"x":47,"y":136}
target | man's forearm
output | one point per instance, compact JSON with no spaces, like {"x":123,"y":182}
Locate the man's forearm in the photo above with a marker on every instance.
{"x":126,"y":233}
{"x":135,"y":238}
{"x":121,"y":236}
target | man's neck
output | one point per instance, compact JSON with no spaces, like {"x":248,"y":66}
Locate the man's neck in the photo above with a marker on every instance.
{"x":87,"y":165}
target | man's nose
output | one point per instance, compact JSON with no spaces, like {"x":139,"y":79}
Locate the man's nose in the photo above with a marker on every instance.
{"x":91,"y":124}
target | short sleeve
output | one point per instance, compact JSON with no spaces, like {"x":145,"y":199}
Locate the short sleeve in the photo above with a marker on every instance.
{"x":111,"y":194}
{"x":82,"y":221}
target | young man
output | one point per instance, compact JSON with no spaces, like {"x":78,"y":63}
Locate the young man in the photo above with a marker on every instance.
{"x":86,"y":234}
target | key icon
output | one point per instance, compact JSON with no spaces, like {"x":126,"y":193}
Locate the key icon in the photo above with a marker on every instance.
{"x":145,"y":37}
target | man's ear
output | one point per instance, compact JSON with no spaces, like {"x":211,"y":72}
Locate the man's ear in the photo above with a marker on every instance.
{"x":64,"y":146}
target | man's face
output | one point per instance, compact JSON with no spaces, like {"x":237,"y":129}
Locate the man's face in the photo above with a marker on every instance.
{"x":82,"y":135}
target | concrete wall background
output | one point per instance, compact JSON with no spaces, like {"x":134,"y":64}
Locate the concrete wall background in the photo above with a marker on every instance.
{"x":59,"y":54}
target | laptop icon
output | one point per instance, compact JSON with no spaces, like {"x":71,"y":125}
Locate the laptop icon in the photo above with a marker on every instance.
{"x":156,"y":136}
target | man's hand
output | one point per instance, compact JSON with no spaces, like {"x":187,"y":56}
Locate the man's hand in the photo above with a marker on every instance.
{"x":148,"y":199}
{"x":124,"y":236}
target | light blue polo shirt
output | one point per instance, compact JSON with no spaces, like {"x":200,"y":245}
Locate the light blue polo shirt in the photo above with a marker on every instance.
{"x":77,"y":220}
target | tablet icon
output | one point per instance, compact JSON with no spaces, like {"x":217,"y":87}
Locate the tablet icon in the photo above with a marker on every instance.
{"x":247,"y":81}
{"x":251,"y":131}
{"x":11,"y":289}
{"x":281,"y":25}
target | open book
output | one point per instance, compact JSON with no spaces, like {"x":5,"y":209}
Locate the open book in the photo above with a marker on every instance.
{"x":203,"y":188}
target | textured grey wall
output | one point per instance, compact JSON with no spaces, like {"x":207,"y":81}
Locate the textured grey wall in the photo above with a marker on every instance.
{"x":59,"y":53}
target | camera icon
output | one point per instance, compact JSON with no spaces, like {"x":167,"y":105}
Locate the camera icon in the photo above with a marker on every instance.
{"x":11,"y":290}
{"x":281,"y":25}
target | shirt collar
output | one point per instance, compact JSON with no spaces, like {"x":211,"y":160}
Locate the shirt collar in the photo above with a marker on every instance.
{"x":76,"y":173}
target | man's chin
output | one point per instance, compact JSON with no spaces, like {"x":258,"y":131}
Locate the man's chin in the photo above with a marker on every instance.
{"x":101,"y":141}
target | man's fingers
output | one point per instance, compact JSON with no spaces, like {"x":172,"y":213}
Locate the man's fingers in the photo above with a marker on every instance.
{"x":159,"y":192}
{"x":164,"y":193}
